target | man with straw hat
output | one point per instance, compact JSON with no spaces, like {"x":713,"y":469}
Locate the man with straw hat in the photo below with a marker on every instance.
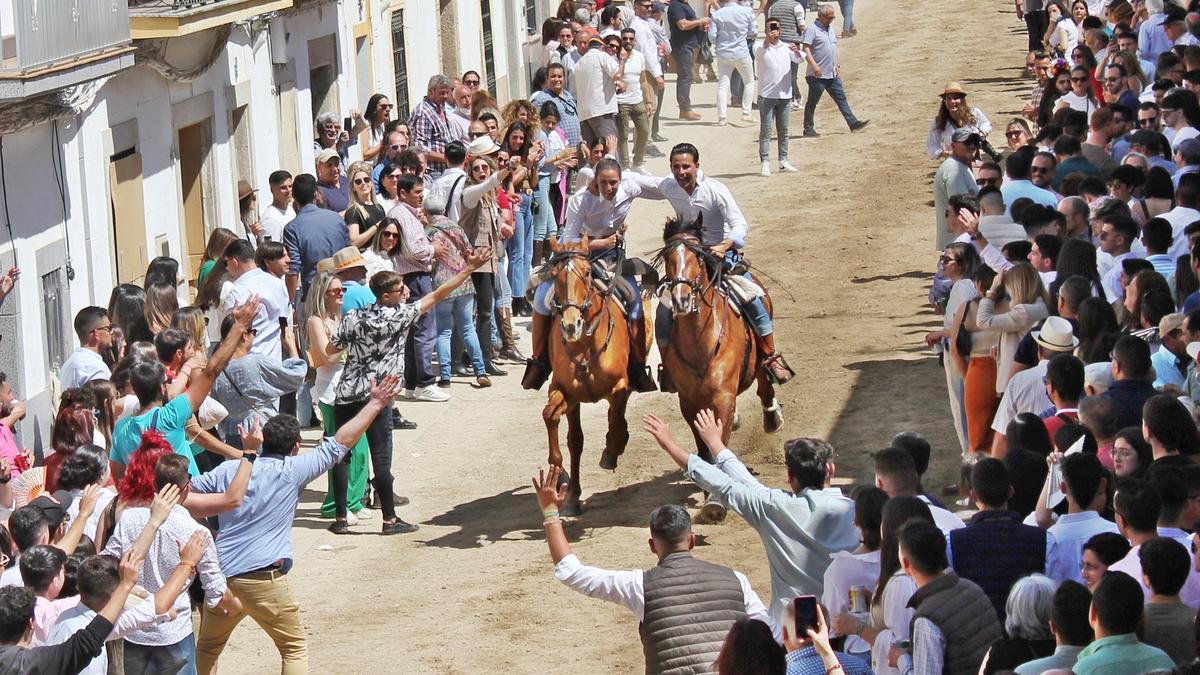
{"x":1026,"y":390}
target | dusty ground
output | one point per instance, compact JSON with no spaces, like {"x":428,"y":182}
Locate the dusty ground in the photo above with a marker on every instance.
{"x":849,"y":241}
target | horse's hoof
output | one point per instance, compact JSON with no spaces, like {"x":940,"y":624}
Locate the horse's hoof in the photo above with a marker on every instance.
{"x":570,"y":509}
{"x":608,"y":462}
{"x":737,"y":421}
{"x":772,"y":421}
{"x":713,"y":511}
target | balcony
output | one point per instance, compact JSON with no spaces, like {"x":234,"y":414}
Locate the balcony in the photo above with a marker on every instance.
{"x":151,"y":19}
{"x":50,"y":45}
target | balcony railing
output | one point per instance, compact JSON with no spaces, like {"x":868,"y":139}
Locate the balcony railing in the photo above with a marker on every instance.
{"x":152,"y":19}
{"x":37,"y":34}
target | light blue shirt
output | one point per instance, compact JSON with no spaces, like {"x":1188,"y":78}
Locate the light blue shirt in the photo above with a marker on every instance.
{"x":1152,"y":39}
{"x":1013,"y":190}
{"x":356,"y":296}
{"x":1071,"y":532}
{"x":1120,"y":654}
{"x":1063,"y":658}
{"x":799,"y":531}
{"x":823,"y":43}
{"x":729,"y":29}
{"x":259,"y":532}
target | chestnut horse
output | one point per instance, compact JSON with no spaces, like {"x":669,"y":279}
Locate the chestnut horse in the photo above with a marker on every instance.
{"x":589,"y":357}
{"x":712,"y":354}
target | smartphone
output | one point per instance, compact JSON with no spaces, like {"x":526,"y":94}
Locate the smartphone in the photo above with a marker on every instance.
{"x":347,"y":123}
{"x":805,"y":607}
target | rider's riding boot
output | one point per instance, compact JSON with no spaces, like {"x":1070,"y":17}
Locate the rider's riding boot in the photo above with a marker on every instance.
{"x":508,"y":344}
{"x":539,"y":248}
{"x":639,"y":376}
{"x":537,"y":369}
{"x":777,"y":369}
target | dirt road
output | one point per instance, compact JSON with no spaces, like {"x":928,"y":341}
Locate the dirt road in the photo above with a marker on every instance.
{"x":849,"y":240}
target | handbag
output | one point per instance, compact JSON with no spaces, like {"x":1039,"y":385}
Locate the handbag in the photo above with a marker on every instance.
{"x":962,"y":342}
{"x":705,"y":53}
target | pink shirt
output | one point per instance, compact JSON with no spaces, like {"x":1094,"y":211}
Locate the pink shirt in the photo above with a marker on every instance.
{"x":8,"y":449}
{"x":45,"y":615}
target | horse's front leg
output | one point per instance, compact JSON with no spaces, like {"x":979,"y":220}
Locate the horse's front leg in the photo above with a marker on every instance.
{"x":572,"y":506}
{"x":618,"y":429}
{"x":556,"y":405}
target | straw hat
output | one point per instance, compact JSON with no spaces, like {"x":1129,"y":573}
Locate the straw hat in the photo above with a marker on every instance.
{"x":347,"y":258}
{"x":954,"y":88}
{"x":1056,"y":335}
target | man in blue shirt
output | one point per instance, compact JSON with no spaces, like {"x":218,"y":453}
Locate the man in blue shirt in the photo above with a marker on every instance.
{"x":824,"y":71}
{"x":1017,"y":167}
{"x":255,"y":546}
{"x":315,"y":234}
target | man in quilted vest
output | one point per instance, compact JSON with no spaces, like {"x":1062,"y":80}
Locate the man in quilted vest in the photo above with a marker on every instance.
{"x":954,"y":624}
{"x":685,"y":606}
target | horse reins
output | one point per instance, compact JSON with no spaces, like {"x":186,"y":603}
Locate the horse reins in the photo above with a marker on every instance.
{"x":557,"y":307}
{"x":698,"y":289}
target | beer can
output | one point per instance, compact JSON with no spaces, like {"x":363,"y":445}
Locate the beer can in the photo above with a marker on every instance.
{"x":858,"y":599}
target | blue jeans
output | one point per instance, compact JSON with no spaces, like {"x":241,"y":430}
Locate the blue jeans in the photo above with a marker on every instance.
{"x":847,"y":7}
{"x":772,"y":110}
{"x":454,"y":315}
{"x":543,"y":221}
{"x":816,"y":87}
{"x":419,"y":346}
{"x":520,"y":247}
{"x":176,"y":659}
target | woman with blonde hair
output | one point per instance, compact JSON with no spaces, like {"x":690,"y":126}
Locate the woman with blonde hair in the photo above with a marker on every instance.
{"x":1020,"y":292}
{"x":217,"y":242}
{"x":364,"y":212}
{"x":971,"y":348}
{"x":1135,"y":78}
{"x":323,"y":313}
{"x":192,"y":321}
{"x":952,"y":114}
{"x":161,"y":303}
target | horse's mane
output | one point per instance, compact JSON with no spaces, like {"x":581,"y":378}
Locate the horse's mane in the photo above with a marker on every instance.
{"x":677,"y":226}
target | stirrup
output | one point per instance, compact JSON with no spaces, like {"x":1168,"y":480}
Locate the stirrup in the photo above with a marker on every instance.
{"x":778,"y":371}
{"x":664,"y":381}
{"x":536,"y":374}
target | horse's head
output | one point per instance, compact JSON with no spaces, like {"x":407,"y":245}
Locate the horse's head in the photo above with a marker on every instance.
{"x":683,"y":267}
{"x":572,"y":298}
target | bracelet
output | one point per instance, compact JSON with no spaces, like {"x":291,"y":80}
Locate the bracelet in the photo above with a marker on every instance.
{"x":836,"y":666}
{"x":551,"y":521}
{"x":550,"y":513}
{"x":188,"y":565}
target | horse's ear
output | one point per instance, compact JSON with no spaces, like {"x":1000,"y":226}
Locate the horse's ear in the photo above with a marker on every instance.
{"x":552,"y":242}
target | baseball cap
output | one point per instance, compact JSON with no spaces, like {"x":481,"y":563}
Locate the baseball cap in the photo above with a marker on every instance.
{"x":966,"y":135}
{"x":53,"y":506}
{"x":328,"y":154}
{"x":1171,"y":322}
{"x":1144,"y":138}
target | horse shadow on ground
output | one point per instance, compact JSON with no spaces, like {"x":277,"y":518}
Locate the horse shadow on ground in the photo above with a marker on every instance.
{"x":512,"y":514}
{"x":889,"y":396}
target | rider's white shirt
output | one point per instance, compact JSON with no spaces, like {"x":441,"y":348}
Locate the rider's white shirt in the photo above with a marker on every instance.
{"x":722,"y":217}
{"x":599,"y":217}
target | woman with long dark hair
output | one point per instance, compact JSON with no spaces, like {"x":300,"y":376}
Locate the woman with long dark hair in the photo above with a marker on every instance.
{"x":891,"y":617}
{"x":375,"y":118}
{"x":1028,"y":445}
{"x":1058,"y":83}
{"x":518,"y":142}
{"x":750,"y":649}
{"x":857,"y":568}
{"x":162,"y":270}
{"x":1131,"y":454}
{"x":1081,"y":97}
{"x":127,"y":311}
{"x":1077,"y":258}
{"x":953,"y":113}
{"x":218,"y":241}
{"x":1097,"y":329}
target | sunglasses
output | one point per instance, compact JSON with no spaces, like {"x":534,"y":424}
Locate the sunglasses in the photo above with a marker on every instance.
{"x":987,"y":181}
{"x":1039,"y":169}
{"x":337,"y":291}
{"x":471,"y":83}
{"x":362,"y":181}
{"x":1013,"y":134}
{"x":1079,"y":79}
{"x":389,"y":234}
{"x":1149,"y":122}
{"x":385,"y":106}
{"x":396,"y":146}
{"x":947,"y":259}
{"x":772,"y":26}
{"x":477,"y":134}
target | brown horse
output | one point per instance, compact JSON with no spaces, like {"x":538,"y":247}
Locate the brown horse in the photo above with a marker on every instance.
{"x":589,"y":356}
{"x":712,"y":354}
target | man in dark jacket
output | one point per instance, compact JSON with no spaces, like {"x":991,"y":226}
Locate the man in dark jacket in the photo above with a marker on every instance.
{"x":954,"y":624}
{"x":995,"y":549}
{"x":1134,"y":375}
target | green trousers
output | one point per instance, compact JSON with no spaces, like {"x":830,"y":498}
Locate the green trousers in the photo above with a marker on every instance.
{"x":359,"y":458}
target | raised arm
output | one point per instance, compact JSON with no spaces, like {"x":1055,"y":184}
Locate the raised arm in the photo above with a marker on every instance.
{"x":203,"y":500}
{"x":181,"y":578}
{"x":202,"y":380}
{"x":480,"y":256}
{"x":550,"y":495}
{"x":87,"y":506}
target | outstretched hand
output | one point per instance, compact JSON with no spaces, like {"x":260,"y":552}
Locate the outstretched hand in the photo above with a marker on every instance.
{"x":244,"y":313}
{"x":386,"y":389}
{"x":659,"y":429}
{"x":545,"y":486}
{"x":710,"y":429}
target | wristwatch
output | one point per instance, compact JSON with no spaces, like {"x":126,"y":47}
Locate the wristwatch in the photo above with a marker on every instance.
{"x":249,"y":456}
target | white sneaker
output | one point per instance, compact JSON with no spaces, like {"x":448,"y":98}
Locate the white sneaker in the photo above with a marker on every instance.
{"x":362,"y":515}
{"x":765,"y":170}
{"x":351,"y":519}
{"x":641,"y":170}
{"x":431,"y":394}
{"x":747,"y":117}
{"x":406,"y":395}
{"x":787,"y":166}
{"x":796,"y":104}
{"x":720,"y":121}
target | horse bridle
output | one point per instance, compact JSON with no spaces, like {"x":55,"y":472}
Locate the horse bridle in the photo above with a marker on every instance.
{"x":699,"y":290}
{"x":557,"y":307}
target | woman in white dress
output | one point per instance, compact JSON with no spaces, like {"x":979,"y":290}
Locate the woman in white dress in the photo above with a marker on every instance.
{"x":857,"y":568}
{"x":375,"y":119}
{"x":952,"y":114}
{"x":380,"y":255}
{"x":1063,"y":34}
{"x":890,"y":616}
